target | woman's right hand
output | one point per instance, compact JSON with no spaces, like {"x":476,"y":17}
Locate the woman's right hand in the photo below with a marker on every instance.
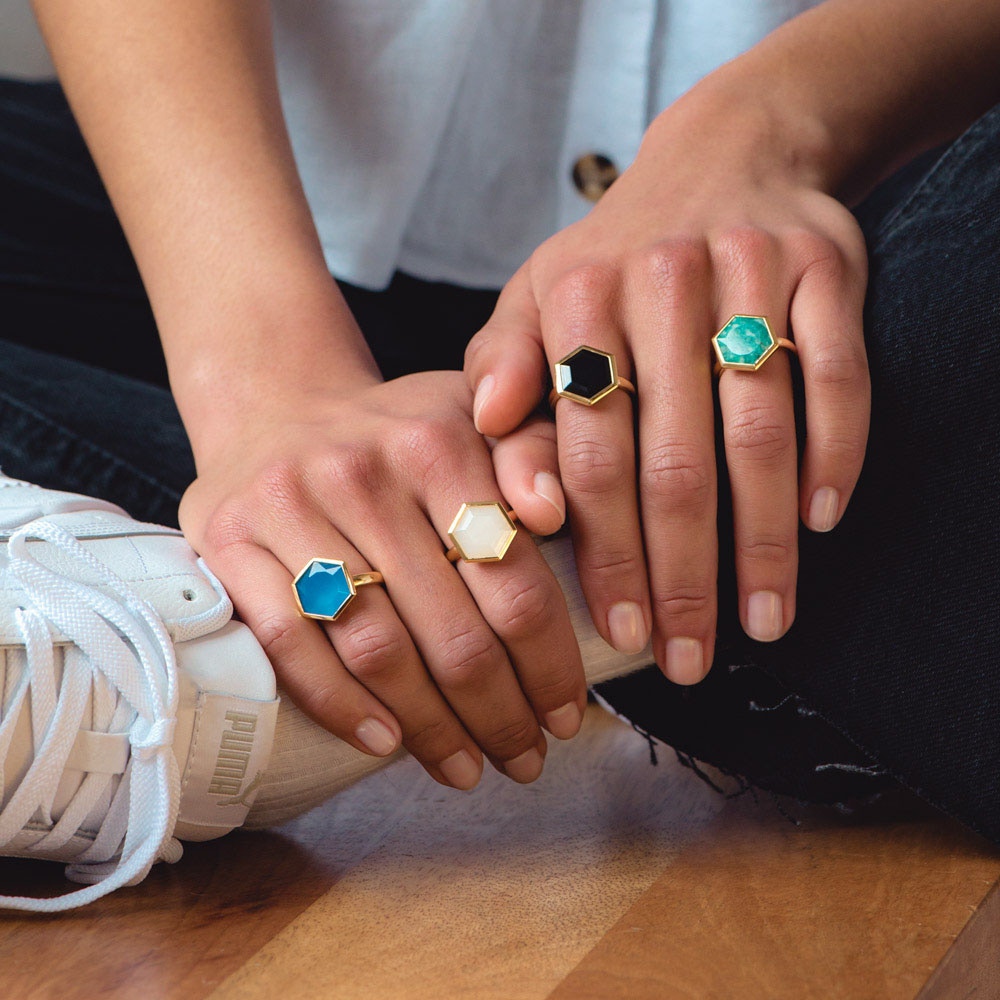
{"x":448,"y":659}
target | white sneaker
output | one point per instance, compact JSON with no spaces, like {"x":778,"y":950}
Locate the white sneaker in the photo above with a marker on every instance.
{"x":134,"y":712}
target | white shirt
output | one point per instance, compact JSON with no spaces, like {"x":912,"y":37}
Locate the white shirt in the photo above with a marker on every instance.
{"x":438,"y":136}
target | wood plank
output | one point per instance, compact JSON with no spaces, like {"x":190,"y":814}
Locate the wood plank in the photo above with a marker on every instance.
{"x":972,"y":966}
{"x":497,"y":894}
{"x":831,"y":909}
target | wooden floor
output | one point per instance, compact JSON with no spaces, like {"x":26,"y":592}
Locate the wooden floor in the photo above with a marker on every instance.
{"x":608,"y":878}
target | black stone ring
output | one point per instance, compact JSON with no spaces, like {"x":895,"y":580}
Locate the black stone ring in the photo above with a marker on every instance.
{"x":586,"y":376}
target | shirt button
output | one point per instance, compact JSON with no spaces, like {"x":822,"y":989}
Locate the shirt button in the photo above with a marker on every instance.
{"x":593,"y":174}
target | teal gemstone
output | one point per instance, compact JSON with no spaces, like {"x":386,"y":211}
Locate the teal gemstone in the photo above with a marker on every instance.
{"x":324,"y":588}
{"x":745,"y":341}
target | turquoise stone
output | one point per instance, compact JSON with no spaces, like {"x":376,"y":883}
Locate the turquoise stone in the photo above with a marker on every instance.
{"x":324,"y":588}
{"x":745,"y":341}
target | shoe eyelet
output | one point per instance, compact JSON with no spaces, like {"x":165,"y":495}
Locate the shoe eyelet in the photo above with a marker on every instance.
{"x":189,"y":595}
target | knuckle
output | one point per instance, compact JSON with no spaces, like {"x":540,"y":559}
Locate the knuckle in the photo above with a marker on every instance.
{"x":742,"y":248}
{"x":839,"y":368}
{"x":280,"y":485}
{"x":282,"y":637}
{"x":592,"y":466}
{"x":344,"y":468}
{"x":676,"y":476}
{"x":614,"y":564}
{"x":581,"y":286}
{"x":426,"y":740}
{"x":526,"y":608}
{"x":229,"y":526}
{"x":766,"y":549}
{"x":467,"y":656}
{"x":674,"y":263}
{"x":821,"y":257}
{"x":513,"y":738}
{"x":682,"y":601}
{"x":424,"y":444}
{"x":755,"y":433}
{"x":325,"y":701}
{"x":371,"y":649}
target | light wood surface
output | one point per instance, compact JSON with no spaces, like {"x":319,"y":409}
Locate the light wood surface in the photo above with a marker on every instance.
{"x":608,"y":878}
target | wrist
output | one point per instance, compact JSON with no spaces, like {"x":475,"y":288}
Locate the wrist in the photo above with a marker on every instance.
{"x":741,"y":115}
{"x":261,"y":362}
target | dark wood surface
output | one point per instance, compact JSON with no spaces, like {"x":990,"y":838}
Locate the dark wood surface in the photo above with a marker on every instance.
{"x":608,"y":878}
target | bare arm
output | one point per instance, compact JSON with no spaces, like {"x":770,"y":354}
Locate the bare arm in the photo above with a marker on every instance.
{"x":179,"y":104}
{"x":301,"y":450}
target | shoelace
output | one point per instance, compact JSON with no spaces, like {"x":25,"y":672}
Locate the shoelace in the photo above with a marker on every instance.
{"x":122,"y":657}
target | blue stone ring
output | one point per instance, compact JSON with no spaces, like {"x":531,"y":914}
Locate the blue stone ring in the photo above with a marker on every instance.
{"x":586,"y":376}
{"x":745,"y":343}
{"x":324,"y":589}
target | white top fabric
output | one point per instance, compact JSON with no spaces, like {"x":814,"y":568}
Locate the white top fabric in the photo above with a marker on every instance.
{"x":438,"y":136}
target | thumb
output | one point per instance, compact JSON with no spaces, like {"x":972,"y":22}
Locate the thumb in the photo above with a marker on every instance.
{"x":505,"y":361}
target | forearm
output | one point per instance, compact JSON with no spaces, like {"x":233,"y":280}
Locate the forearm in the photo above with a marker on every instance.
{"x":852,"y":89}
{"x":179,"y":104}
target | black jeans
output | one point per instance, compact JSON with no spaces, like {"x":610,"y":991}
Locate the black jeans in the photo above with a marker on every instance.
{"x":892,"y":669}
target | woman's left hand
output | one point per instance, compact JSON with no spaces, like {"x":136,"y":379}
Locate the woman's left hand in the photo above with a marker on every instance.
{"x":714,"y":218}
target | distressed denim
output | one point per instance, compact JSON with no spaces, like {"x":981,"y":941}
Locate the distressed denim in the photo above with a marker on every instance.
{"x":890,"y":672}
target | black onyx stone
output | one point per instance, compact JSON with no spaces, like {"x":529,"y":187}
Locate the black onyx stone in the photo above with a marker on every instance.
{"x":586,"y":373}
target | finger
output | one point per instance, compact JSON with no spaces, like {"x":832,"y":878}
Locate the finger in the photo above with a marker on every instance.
{"x":526,"y":463}
{"x":303,"y":659}
{"x":465,"y":658}
{"x":826,"y":316}
{"x":505,"y":362}
{"x":522,"y":603}
{"x":597,"y":463}
{"x":759,"y":431}
{"x":375,"y":647}
{"x":670,"y":322}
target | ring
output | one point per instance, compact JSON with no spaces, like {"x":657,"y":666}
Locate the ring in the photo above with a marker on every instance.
{"x":324,"y":588}
{"x":586,"y":376}
{"x":481,"y":532}
{"x":745,"y":343}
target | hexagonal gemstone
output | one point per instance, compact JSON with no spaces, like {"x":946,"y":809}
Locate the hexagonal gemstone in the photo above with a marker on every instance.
{"x":324,"y":589}
{"x":586,"y":374}
{"x":482,"y":532}
{"x":745,"y":341}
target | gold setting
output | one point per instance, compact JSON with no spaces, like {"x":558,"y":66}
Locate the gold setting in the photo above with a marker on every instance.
{"x":509,"y":520}
{"x":352,"y":583}
{"x":559,"y":391}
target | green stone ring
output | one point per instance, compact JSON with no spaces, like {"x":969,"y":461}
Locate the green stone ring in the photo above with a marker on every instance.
{"x":745,"y":343}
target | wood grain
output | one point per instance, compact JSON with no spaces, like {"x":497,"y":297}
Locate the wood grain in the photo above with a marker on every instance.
{"x":608,"y":878}
{"x":826,"y":910}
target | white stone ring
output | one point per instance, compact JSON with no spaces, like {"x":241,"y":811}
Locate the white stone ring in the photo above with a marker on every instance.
{"x":481,"y":532}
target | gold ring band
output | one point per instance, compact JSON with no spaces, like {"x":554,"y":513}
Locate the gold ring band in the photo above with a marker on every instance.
{"x":481,"y":532}
{"x":324,"y":589}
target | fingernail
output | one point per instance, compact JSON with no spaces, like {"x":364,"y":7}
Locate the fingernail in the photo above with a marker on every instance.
{"x":627,"y":627}
{"x":377,"y":736}
{"x":461,"y":770}
{"x":823,"y":509}
{"x":685,"y":661}
{"x":483,"y":392}
{"x":764,"y":616}
{"x":549,"y":488}
{"x":564,"y":723}
{"x":525,"y":768}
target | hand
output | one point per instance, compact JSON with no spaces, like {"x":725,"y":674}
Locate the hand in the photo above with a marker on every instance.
{"x":713,"y":218}
{"x":449,"y":659}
